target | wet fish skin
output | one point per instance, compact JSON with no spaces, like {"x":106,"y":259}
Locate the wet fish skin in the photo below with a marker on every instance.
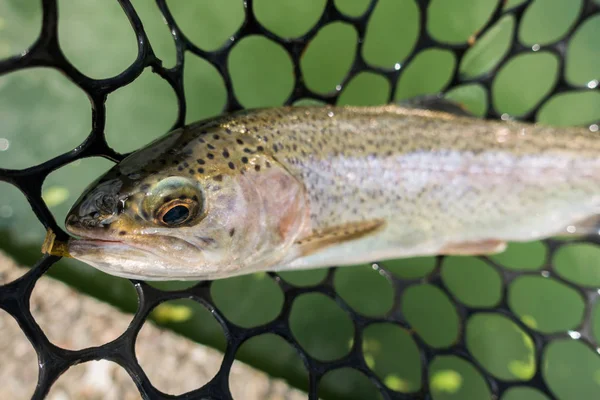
{"x":266,"y":182}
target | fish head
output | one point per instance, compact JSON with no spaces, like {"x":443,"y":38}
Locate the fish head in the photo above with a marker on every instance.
{"x":181,"y":210}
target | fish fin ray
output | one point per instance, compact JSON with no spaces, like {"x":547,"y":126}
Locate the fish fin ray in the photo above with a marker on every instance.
{"x":482,"y":247}
{"x":323,"y":238}
{"x":437,"y":103}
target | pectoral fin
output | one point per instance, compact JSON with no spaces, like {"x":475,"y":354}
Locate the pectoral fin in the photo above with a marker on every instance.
{"x":321,"y":239}
{"x":482,"y":247}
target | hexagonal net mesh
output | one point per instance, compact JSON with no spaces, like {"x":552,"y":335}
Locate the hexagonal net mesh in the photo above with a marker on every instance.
{"x":54,"y":360}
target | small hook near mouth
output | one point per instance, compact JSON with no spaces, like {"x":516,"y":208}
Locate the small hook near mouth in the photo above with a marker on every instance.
{"x":53,"y":247}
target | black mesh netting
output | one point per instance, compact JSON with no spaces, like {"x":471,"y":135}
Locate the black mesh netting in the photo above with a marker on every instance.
{"x":53,"y":360}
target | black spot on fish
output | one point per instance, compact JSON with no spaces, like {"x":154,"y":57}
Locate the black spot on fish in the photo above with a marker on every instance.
{"x":257,"y":167}
{"x":247,"y":150}
{"x":210,"y":146}
{"x":182,"y":197}
{"x":239,"y":141}
{"x":260,"y":148}
{"x":200,"y":170}
{"x":162,"y":161}
{"x":122,"y":233}
{"x":207,"y":240}
{"x":228,"y":131}
{"x":231,"y":232}
{"x":218,"y":178}
{"x":145,"y":215}
{"x":180,"y":168}
{"x":201,"y":140}
{"x":225,"y":153}
{"x":191,"y":171}
{"x":210,"y":156}
{"x":174,"y":162}
{"x":200,"y":161}
{"x":231,"y":166}
{"x":145,"y":186}
{"x":167,"y":199}
{"x":216,"y":137}
{"x":268,"y":164}
{"x":195,"y":198}
{"x":245,"y":160}
{"x":275,"y":148}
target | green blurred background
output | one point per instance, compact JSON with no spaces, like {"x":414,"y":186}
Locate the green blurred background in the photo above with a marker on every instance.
{"x":43,"y":115}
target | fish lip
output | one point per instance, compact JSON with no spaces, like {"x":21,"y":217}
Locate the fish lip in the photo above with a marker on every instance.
{"x":97,"y":241}
{"x":103,"y":244}
{"x":133,"y":244}
{"x":138,"y":275}
{"x":101,"y":240}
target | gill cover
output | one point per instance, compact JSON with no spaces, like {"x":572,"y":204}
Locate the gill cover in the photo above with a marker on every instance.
{"x":197,"y":204}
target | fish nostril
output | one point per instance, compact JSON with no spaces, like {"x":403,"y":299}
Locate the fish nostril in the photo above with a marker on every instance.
{"x":86,"y":221}
{"x":106,"y":204}
{"x":71,"y":220}
{"x":72,"y":223}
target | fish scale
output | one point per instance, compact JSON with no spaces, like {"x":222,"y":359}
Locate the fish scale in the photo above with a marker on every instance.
{"x":306,"y":187}
{"x":435,"y":178}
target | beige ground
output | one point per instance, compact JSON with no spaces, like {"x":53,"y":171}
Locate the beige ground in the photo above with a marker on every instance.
{"x":72,"y":320}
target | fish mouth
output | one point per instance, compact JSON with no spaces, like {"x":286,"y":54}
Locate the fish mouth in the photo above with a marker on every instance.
{"x":113,"y":257}
{"x":137,"y":258}
{"x":105,"y":245}
{"x":98,"y":240}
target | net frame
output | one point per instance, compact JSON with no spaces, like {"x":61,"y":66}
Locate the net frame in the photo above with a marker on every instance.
{"x":54,"y":360}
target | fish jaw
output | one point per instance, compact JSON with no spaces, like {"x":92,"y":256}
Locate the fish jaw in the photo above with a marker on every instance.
{"x":134,"y":262}
{"x":141,"y":255}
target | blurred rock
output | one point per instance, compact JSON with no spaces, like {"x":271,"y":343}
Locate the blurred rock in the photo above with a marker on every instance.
{"x":74,"y":321}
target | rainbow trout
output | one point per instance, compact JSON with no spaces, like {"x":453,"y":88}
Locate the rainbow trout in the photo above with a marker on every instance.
{"x":297,"y":188}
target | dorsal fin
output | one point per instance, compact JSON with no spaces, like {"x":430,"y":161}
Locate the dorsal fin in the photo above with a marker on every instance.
{"x":435,"y":102}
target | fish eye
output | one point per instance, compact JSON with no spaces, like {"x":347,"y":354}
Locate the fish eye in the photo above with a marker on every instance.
{"x":173,"y":202}
{"x":176,"y":215}
{"x":175,"y":212}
